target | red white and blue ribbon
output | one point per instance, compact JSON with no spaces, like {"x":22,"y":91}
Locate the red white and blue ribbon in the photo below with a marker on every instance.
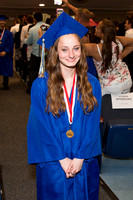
{"x":70,"y":104}
{"x":2,"y":34}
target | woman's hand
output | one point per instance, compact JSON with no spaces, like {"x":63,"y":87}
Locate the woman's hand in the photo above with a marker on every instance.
{"x":74,"y":167}
{"x":2,"y":54}
{"x":40,"y":33}
{"x":65,"y":3}
{"x":65,"y":164}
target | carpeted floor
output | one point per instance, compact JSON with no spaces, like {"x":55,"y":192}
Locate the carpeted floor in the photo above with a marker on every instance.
{"x":17,"y":177}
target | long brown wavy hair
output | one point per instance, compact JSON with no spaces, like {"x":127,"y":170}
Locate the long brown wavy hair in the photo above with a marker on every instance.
{"x":109,"y":31}
{"x":55,"y":96}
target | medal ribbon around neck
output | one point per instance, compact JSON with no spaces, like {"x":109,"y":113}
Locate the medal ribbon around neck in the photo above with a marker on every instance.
{"x":70,"y":105}
{"x":2,"y":34}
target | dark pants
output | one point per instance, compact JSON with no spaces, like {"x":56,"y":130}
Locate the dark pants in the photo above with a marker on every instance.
{"x":5,"y":82}
{"x":33,"y":71}
{"x":129,"y":61}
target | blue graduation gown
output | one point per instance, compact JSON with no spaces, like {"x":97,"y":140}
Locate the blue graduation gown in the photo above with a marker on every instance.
{"x":6,"y":62}
{"x":48,"y":143}
{"x":91,"y":66}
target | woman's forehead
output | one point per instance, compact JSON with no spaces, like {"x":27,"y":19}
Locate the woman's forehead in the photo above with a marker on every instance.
{"x":69,"y":40}
{"x":67,"y":37}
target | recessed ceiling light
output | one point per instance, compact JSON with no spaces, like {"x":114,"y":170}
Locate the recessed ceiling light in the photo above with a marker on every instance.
{"x":41,"y":4}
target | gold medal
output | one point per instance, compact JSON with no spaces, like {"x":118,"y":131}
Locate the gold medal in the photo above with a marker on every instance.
{"x":0,"y":42}
{"x":70,"y":133}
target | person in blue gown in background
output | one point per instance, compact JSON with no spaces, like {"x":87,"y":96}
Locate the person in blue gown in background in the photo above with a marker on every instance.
{"x":63,"y":127}
{"x":6,"y":52}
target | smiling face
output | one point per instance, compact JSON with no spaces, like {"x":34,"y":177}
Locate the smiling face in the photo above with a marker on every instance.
{"x":69,"y":50}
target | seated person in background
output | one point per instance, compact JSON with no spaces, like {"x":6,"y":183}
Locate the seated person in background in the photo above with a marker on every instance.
{"x":113,"y":74}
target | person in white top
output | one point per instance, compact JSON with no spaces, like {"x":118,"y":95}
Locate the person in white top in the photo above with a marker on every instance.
{"x":25,"y":29}
{"x":129,"y":28}
{"x":36,"y":51}
{"x":14,"y":29}
{"x":113,"y":74}
{"x":25,"y":49}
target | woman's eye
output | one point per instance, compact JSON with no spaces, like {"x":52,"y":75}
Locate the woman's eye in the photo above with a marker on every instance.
{"x":76,"y":48}
{"x":64,"y":50}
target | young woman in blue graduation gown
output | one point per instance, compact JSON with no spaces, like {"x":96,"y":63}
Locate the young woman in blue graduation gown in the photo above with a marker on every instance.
{"x":6,"y":52}
{"x":6,"y":62}
{"x":64,"y":141}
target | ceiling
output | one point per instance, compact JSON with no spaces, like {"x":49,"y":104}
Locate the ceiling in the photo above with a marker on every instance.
{"x":93,"y":4}
{"x":15,"y":7}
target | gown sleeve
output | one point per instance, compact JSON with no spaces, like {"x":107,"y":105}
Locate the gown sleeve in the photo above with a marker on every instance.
{"x":44,"y":141}
{"x":9,"y":44}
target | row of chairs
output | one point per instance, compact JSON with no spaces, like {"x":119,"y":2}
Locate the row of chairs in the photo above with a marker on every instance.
{"x":117,"y":130}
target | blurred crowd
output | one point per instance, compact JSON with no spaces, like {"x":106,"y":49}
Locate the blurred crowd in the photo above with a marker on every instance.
{"x":26,"y":31}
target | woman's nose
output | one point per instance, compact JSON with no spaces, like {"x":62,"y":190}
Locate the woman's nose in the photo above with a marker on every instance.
{"x":71,"y":54}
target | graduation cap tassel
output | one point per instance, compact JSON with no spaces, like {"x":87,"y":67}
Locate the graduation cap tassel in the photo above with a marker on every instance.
{"x":42,"y":64}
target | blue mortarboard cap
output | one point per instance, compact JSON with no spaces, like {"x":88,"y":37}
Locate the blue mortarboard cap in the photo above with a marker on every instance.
{"x":3,"y":17}
{"x":63,"y":25}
